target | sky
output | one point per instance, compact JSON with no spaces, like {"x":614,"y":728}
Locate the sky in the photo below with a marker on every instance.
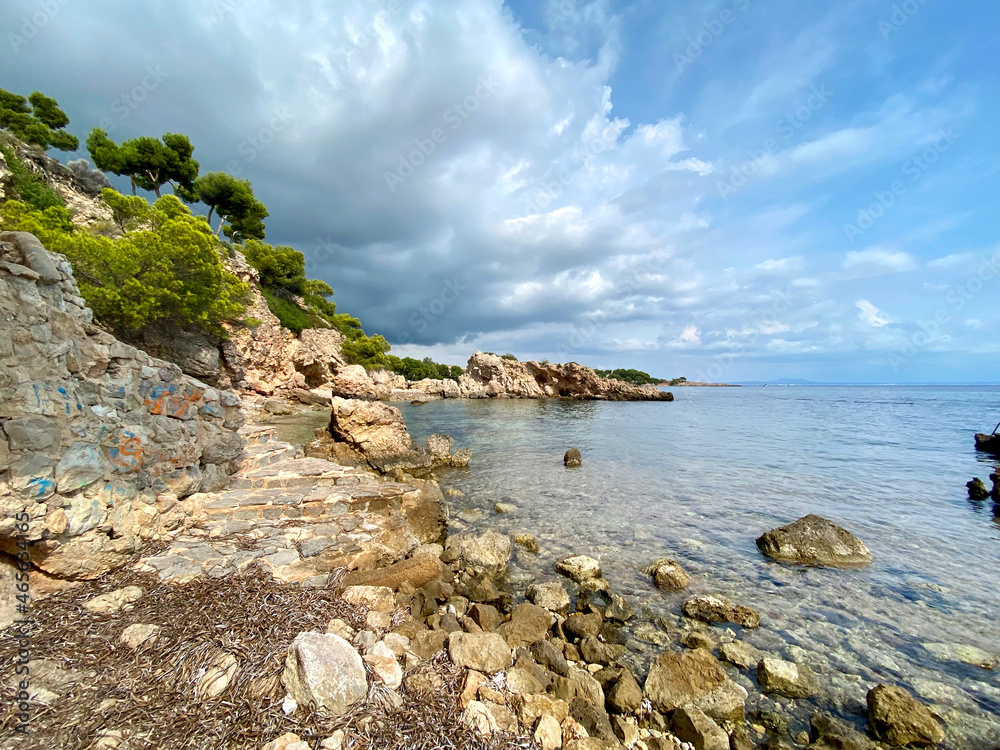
{"x":724,"y":190}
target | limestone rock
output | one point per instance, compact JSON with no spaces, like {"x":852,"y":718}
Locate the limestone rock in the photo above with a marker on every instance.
{"x":548,"y":733}
{"x":582,"y":626}
{"x":549,"y":657}
{"x":717,"y":609}
{"x":375,"y":433}
{"x":8,"y":593}
{"x":378,"y":598}
{"x":528,"y":623}
{"x":139,"y":634}
{"x":552,"y":596}
{"x":489,"y":376}
{"x":579,"y":567}
{"x":483,"y":652}
{"x":478,"y":718}
{"x":592,"y":718}
{"x":739,"y":654}
{"x":786,"y":678}
{"x":219,"y":673}
{"x":625,"y":696}
{"x":111,"y":602}
{"x":489,"y":551}
{"x":898,"y":719}
{"x":383,"y":662}
{"x":353,"y":381}
{"x":813,"y":540}
{"x":668,"y":574}
{"x":827,"y":733}
{"x":692,"y":725}
{"x":694,"y":678}
{"x":572,"y":458}
{"x":325,"y":671}
{"x":416,"y":571}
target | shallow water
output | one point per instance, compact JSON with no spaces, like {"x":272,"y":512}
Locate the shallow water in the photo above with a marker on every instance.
{"x":700,"y":478}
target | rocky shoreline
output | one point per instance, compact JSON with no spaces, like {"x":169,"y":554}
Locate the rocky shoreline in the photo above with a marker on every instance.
{"x":195,"y":582}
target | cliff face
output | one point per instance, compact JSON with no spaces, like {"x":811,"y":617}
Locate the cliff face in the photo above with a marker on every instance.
{"x":261,"y":358}
{"x":98,"y":440}
{"x":490,"y":376}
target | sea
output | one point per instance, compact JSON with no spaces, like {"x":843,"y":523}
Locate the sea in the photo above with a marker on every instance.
{"x":700,"y":478}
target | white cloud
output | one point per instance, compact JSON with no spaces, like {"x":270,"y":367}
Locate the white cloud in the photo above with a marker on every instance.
{"x":880,"y":259}
{"x":870,"y":314}
{"x":950,"y":261}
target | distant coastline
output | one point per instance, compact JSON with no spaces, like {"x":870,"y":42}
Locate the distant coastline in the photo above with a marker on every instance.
{"x":687,"y":384}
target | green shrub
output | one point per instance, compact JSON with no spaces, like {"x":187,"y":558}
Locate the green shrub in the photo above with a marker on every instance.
{"x":367,"y":351}
{"x":282,"y":269}
{"x":416,"y":369}
{"x":290,"y":315}
{"x":636,"y":377}
{"x":169,"y":273}
{"x":30,"y":188}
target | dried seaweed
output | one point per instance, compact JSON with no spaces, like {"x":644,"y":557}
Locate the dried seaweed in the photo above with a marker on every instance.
{"x":149,"y":695}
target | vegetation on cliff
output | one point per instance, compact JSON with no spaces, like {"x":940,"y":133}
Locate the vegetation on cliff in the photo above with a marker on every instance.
{"x":159,"y":265}
{"x":165,"y":270}
{"x":37,"y":120}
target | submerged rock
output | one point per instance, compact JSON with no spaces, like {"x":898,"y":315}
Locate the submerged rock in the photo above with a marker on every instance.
{"x":712,"y":609}
{"x":898,"y":719}
{"x":572,"y":458}
{"x":692,"y":725}
{"x":786,"y":678}
{"x":694,"y":678}
{"x":579,"y":567}
{"x":813,"y":540}
{"x":667,"y":574}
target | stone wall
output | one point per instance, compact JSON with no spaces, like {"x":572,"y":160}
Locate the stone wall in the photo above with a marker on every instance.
{"x":99,"y":442}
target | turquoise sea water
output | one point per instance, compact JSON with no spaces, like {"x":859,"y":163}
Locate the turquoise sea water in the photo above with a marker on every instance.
{"x":700,"y":478}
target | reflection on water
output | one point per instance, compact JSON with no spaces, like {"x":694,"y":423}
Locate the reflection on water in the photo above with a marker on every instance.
{"x":700,"y":478}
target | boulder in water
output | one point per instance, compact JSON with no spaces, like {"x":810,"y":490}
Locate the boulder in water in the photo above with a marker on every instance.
{"x":988,"y":443}
{"x":813,"y":540}
{"x":572,"y":458}
{"x":977,"y":490}
{"x":898,"y":719}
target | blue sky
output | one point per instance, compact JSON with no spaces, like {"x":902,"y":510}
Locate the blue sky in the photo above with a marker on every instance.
{"x":737,"y":190}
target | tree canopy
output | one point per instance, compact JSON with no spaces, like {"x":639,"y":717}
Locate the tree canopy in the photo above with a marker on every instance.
{"x":149,"y":163}
{"x":37,"y":120}
{"x":233,"y":200}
